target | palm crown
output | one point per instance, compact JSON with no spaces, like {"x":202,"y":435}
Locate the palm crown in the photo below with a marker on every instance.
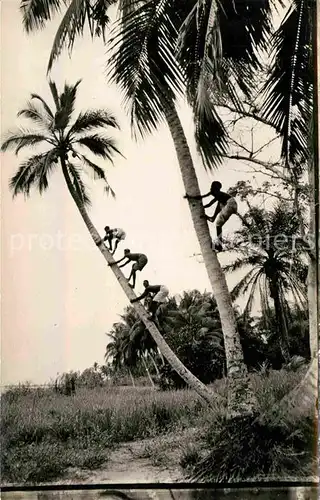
{"x":277,"y":268}
{"x":61,"y":136}
{"x":288,"y":91}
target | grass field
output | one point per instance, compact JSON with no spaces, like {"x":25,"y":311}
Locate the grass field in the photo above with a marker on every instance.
{"x":45,"y":433}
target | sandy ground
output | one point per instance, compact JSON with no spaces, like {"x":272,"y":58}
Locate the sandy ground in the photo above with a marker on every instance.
{"x":153,"y":460}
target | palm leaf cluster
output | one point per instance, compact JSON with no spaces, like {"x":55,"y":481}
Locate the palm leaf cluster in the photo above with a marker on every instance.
{"x":159,"y":49}
{"x":162,"y":48}
{"x":191,"y":326}
{"x":268,"y":246}
{"x":62,"y":138}
{"x":78,"y":14}
{"x":288,"y":91}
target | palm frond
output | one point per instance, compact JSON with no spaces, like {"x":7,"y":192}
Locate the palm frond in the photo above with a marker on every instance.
{"x":98,"y":173}
{"x":44,"y":169}
{"x":79,"y":14}
{"x":222,"y":42}
{"x":54,"y":93}
{"x":211,"y":135}
{"x":37,"y":115}
{"x":239,"y":263}
{"x":36,"y":13}
{"x":99,"y":145}
{"x":243,"y":285}
{"x":22,"y":138}
{"x":252,"y":295}
{"x":78,"y":185}
{"x":143,"y":64}
{"x":72,"y":24}
{"x":33,"y":173}
{"x":67,"y":101}
{"x":45,"y":105}
{"x":93,"y":119}
{"x":288,"y":92}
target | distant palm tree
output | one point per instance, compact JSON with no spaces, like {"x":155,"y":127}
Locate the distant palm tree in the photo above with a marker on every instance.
{"x":63,"y":138}
{"x":276,"y":268}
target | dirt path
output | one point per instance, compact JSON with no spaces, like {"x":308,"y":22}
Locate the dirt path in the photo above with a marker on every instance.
{"x":153,"y":460}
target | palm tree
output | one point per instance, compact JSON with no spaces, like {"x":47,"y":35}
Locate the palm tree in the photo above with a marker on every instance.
{"x":136,"y":344}
{"x":275,"y":268}
{"x":62,"y":138}
{"x":144,"y":65}
{"x":290,"y":105}
{"x":146,"y":68}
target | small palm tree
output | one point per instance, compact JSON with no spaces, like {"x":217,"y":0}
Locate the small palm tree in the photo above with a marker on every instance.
{"x":131,"y":344}
{"x":63,"y":138}
{"x":276,"y":268}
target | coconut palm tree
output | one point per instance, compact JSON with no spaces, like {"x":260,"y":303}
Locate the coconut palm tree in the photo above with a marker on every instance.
{"x":290,"y":97}
{"x":131,"y":344}
{"x":144,"y":65}
{"x":63,"y":138}
{"x":275,"y":267}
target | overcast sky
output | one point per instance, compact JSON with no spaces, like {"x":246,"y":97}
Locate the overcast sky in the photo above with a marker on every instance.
{"x":58,"y":296}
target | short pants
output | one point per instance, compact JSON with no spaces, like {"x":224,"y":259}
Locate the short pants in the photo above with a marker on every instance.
{"x":230,"y":208}
{"x":142,"y":262}
{"x":161,"y":295}
{"x":119,"y":234}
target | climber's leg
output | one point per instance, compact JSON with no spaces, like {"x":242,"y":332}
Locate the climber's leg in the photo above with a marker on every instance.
{"x":116,"y":243}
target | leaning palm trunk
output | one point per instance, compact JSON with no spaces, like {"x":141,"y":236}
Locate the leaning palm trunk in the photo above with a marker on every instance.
{"x":302,"y":398}
{"x":241,"y":399}
{"x":174,"y":361}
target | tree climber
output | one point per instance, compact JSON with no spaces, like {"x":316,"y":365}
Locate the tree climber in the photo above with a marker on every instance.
{"x":227,"y":206}
{"x":159,"y":293}
{"x":116,"y":234}
{"x":140,"y":260}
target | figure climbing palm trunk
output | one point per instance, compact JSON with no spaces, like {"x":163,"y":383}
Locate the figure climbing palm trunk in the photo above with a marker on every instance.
{"x":172,"y":359}
{"x":56,"y":131}
{"x":241,"y":399}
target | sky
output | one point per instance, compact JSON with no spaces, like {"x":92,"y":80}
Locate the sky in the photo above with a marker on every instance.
{"x":58,"y":296}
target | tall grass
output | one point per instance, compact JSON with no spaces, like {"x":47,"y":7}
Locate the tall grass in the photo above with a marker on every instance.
{"x":45,"y":433}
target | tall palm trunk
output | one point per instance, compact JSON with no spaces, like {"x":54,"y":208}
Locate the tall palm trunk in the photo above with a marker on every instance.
{"x":241,"y":399}
{"x":281,"y":323}
{"x":313,"y":296}
{"x":312,"y":264}
{"x":174,"y":361}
